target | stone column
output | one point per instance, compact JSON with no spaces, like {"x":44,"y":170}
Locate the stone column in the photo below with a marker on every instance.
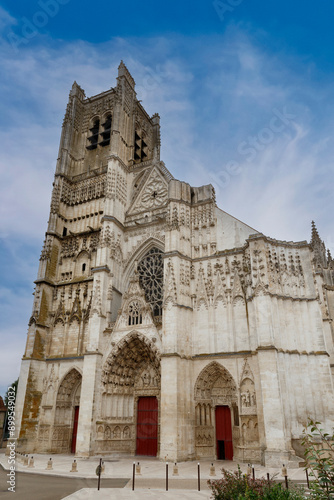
{"x":276,"y":452}
{"x":177,"y":419}
{"x":86,"y":430}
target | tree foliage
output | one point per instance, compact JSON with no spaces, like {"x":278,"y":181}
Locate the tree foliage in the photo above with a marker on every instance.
{"x":319,"y":456}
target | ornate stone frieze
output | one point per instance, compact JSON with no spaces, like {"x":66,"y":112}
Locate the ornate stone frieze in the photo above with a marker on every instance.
{"x":81,"y":192}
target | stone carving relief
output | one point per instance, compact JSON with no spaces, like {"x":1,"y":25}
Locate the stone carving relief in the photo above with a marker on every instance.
{"x":215,"y":384}
{"x":116,"y":187}
{"x":152,"y":195}
{"x":170,"y":292}
{"x":81,"y":192}
{"x":248,"y":397}
{"x":250,"y":431}
{"x":285,"y":272}
{"x":247,"y":391}
{"x":133,"y":354}
{"x":204,"y":437}
{"x":148,"y":378}
{"x":155,"y":194}
{"x":96,"y":307}
{"x":223,"y":282}
{"x":49,"y":384}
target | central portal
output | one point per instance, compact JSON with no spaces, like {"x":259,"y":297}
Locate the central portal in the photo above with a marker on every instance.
{"x":224,"y":433}
{"x":147,"y":426}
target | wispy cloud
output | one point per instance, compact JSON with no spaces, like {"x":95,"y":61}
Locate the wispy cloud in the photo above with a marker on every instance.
{"x":212,"y":93}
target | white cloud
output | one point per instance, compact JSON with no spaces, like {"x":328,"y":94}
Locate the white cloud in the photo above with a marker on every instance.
{"x":6,"y":20}
{"x":211,"y":93}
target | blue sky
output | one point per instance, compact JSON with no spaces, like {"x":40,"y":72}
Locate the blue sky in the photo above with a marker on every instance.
{"x":245,"y":94}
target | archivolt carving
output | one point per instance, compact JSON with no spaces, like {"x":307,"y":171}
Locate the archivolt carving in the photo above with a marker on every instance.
{"x":215,"y":383}
{"x":67,"y":385}
{"x":124,"y":363}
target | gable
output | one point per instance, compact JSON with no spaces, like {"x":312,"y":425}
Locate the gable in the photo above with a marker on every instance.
{"x":153,"y":194}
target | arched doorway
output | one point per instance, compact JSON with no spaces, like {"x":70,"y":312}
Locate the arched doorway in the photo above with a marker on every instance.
{"x":216,"y":409}
{"x":64,"y":433}
{"x":129,"y":416}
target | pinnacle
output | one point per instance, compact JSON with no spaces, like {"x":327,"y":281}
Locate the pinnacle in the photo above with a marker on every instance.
{"x":314,"y":235}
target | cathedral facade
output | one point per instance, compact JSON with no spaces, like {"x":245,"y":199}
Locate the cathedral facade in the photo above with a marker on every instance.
{"x":162,"y":325}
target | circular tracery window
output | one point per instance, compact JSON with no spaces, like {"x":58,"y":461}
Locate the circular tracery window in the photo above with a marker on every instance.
{"x":150,"y":270}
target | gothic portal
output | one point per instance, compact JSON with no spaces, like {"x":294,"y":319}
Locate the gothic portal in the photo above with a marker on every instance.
{"x":162,"y":325}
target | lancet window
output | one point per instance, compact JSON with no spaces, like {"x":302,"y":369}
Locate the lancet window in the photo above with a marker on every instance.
{"x":135,"y":314}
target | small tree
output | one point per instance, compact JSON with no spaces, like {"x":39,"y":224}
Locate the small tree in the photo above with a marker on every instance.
{"x":14,"y":384}
{"x":319,"y":456}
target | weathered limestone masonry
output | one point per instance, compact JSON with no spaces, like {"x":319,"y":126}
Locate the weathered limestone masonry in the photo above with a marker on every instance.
{"x":161,"y":325}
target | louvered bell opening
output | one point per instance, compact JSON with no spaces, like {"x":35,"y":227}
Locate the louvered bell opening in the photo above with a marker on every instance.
{"x":105,"y":134}
{"x":137,"y":152}
{"x":144,"y":150}
{"x":94,"y":137}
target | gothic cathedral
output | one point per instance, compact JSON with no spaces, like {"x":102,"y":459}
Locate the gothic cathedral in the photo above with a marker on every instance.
{"x":161,"y":325}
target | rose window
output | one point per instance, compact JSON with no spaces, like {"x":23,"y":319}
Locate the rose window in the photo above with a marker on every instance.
{"x":150,"y":270}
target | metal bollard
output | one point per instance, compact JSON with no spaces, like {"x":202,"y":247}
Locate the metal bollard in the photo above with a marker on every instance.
{"x":212,"y":470}
{"x":133,"y":475}
{"x":166,"y":476}
{"x":199,"y":477}
{"x":74,"y":466}
{"x":98,"y":473}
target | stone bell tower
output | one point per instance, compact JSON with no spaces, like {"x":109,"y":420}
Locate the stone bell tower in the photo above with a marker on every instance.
{"x":107,"y":142}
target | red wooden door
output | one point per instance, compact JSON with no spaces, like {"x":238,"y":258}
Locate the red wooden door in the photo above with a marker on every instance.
{"x":224,"y":433}
{"x":147,"y":426}
{"x":75,"y":429}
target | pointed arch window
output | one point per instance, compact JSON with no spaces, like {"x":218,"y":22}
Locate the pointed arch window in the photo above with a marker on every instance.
{"x":150,"y":270}
{"x":100,"y":133}
{"x":135,"y":314}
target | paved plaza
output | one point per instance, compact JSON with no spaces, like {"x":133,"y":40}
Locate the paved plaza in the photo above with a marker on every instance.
{"x":116,"y":481}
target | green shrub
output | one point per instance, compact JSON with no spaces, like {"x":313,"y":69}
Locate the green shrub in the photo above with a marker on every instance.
{"x":238,"y":486}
